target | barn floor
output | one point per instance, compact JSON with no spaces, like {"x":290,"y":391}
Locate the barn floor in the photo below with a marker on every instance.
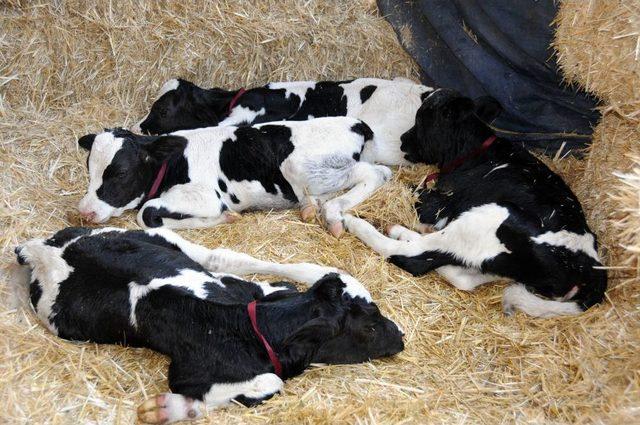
{"x":67,"y":68}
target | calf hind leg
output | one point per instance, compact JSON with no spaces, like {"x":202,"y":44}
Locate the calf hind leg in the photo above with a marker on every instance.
{"x":364,"y":179}
{"x":464,"y":278}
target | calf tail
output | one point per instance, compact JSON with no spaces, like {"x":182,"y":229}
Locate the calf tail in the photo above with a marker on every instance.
{"x":517,"y":296}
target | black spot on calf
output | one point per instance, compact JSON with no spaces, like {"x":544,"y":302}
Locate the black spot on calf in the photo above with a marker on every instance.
{"x":256,"y":155}
{"x":366,"y":93}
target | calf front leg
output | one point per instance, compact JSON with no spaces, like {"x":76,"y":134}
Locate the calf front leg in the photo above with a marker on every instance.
{"x":227,"y":261}
{"x":377,"y":241}
{"x":185,"y":207}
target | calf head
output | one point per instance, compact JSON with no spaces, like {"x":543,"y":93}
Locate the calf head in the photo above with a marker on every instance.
{"x":348,"y":327}
{"x":181,"y":105}
{"x":122,"y":167}
{"x":449,"y":125}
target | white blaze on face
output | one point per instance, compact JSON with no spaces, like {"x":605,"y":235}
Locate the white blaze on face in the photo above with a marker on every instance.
{"x":103,"y":150}
{"x":172,"y":84}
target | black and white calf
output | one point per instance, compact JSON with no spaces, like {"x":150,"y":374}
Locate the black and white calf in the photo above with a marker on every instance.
{"x":387,"y":106}
{"x":154,"y":289}
{"x":203,"y":176}
{"x":497,"y":212}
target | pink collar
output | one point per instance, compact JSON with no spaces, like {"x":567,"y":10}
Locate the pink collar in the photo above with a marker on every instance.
{"x":251,"y":309}
{"x":158,"y":181}
{"x":235,"y":99}
{"x":447,"y":168}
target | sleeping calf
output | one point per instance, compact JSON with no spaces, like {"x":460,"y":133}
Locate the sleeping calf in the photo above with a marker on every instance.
{"x":228,"y":339}
{"x":497,"y":211}
{"x":200,"y":177}
{"x":388,"y":106}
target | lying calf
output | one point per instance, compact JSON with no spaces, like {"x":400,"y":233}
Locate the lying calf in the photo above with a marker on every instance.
{"x":388,"y":106}
{"x":228,"y":339}
{"x":201,"y":176}
{"x":498,"y":212}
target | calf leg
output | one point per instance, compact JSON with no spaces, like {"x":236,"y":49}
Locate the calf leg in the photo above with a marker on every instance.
{"x":185,"y":207}
{"x":364,"y":179}
{"x":228,"y":261}
{"x":401,"y":233}
{"x":222,"y":260}
{"x":169,"y":407}
{"x":466,"y":279}
{"x":377,"y":241}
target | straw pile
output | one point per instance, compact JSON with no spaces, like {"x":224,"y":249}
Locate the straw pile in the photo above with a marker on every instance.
{"x":598,"y":43}
{"x":71,"y":67}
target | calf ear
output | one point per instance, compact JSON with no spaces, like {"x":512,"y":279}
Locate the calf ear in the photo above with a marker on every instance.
{"x":329,"y":288}
{"x":164,"y":147}
{"x":86,"y":141}
{"x":460,"y":108}
{"x":314,"y":332}
{"x":487,"y":108}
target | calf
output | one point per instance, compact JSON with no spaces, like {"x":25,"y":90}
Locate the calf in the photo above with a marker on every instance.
{"x":497,"y":211}
{"x":203,"y":176}
{"x":228,"y":339}
{"x":388,"y":106}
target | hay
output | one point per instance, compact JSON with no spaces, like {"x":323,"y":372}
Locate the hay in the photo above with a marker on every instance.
{"x":598,"y":44}
{"x":70,"y":67}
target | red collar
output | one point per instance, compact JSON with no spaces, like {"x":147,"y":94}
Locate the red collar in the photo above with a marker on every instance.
{"x":235,"y":99}
{"x":158,"y":181}
{"x":251,"y":309}
{"x":447,"y":168}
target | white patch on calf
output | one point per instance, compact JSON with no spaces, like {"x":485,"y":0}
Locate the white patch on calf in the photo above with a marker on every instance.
{"x":517,"y":297}
{"x":354,"y":288}
{"x":258,"y":387}
{"x":50,"y":269}
{"x":471,"y":237}
{"x":187,"y":278}
{"x":240,"y":115}
{"x":171,"y":84}
{"x":268,"y":289}
{"x":571,"y":241}
{"x":299,"y":88}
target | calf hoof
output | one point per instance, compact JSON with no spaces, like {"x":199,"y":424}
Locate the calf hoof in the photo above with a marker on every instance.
{"x":336,"y":229}
{"x":308,"y":213}
{"x":230,"y":217}
{"x":425,"y":228}
{"x":508,"y":310}
{"x":167,"y":408}
{"x":393,"y":231}
{"x":154,"y":410}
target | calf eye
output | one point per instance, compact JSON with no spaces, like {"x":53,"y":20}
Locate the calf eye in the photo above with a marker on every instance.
{"x":163,"y":113}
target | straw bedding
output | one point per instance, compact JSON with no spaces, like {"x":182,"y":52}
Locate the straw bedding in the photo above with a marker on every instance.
{"x":67,"y":68}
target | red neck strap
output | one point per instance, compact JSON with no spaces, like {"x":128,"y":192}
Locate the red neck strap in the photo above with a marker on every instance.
{"x":447,"y":168}
{"x":158,"y":181}
{"x":251,"y":309}
{"x":235,"y":99}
